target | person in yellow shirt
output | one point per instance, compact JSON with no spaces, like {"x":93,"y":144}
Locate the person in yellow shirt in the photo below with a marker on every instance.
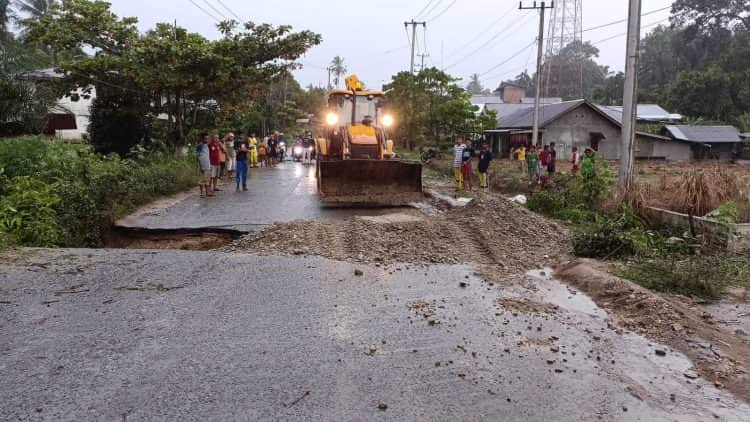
{"x":253,"y":151}
{"x":521,"y":156}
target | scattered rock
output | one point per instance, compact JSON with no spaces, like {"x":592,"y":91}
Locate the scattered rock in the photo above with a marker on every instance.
{"x":382,"y":406}
{"x":690,"y":375}
{"x":359,"y":273}
{"x":660,"y":352}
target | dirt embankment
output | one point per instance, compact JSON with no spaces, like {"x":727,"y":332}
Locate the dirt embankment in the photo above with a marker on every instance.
{"x":494,"y":231}
{"x":720,"y":356}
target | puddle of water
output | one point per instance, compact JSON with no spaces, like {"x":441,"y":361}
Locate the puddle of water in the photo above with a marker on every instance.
{"x":659,"y":380}
{"x":565,"y":297}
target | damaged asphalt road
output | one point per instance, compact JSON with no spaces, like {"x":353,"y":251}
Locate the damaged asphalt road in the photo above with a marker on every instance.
{"x":143,"y":335}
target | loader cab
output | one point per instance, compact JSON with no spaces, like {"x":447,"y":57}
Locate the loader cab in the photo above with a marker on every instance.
{"x":348,"y":136}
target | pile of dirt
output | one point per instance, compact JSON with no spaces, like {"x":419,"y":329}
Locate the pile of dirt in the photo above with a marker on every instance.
{"x":718,"y":355}
{"x":494,"y":231}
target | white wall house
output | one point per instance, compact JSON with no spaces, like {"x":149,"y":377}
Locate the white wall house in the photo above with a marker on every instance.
{"x":80,"y":109}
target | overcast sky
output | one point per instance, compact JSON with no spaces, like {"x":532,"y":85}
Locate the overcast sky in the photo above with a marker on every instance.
{"x":370,"y":35}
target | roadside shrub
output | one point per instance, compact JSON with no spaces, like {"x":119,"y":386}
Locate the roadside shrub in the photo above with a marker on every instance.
{"x":573,"y":198}
{"x":93,"y":190}
{"x":116,"y":125}
{"x":27,"y":213}
{"x":611,"y":238}
{"x":703,"y":276}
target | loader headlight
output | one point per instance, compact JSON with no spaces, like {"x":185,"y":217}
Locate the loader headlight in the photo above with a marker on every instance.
{"x":387,"y":120}
{"x":332,"y":119}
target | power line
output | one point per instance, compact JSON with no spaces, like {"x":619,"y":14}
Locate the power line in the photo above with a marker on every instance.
{"x":516,"y":54}
{"x":484,"y":31}
{"x":205,"y":11}
{"x":625,"y":33}
{"x":494,"y":37}
{"x":215,"y":9}
{"x":432,"y":9}
{"x":229,"y":10}
{"x":624,"y":20}
{"x":423,"y":9}
{"x":443,"y":12}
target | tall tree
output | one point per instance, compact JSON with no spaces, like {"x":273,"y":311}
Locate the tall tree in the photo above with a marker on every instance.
{"x":474,"y":86}
{"x":338,"y":69}
{"x":610,"y":92}
{"x":168,"y":63}
{"x":430,"y":105}
{"x":708,"y":15}
{"x":702,"y":94}
{"x":574,"y":71}
{"x":523,"y":80}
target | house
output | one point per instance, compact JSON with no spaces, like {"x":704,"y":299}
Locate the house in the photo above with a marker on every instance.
{"x":68,"y":119}
{"x":581,"y":124}
{"x":645,"y":113}
{"x":708,"y":142}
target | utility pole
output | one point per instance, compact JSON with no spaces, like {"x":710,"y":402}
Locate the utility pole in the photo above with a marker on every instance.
{"x":330,"y":70}
{"x":422,"y":56}
{"x":413,"y":38}
{"x":540,"y":48}
{"x":630,"y":100}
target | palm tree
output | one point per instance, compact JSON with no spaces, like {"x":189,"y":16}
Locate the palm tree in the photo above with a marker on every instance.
{"x":338,"y":69}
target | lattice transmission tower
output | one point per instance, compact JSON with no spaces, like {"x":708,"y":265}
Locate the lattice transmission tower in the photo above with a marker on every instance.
{"x":563,"y":76}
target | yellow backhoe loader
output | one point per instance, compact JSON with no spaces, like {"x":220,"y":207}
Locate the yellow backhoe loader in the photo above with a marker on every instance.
{"x":356,"y":164}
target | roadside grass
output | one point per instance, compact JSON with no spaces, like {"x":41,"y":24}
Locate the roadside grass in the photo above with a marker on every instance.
{"x":658,"y":257}
{"x":64,"y":194}
{"x":703,"y":276}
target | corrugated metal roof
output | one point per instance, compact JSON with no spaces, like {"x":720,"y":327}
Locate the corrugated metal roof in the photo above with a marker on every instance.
{"x":504,"y":110}
{"x":705,"y":134}
{"x":524,"y":117}
{"x":543,"y":100}
{"x":645,"y":112}
{"x":479,"y":100}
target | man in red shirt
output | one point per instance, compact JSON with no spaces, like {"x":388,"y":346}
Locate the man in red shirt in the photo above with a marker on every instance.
{"x":214,"y":156}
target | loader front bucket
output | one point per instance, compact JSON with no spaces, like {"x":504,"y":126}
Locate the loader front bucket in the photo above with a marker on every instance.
{"x":373,"y":183}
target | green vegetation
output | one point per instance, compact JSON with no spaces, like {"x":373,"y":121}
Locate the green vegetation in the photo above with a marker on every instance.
{"x":55,"y":194}
{"x":431,"y":108}
{"x":658,"y":257}
{"x":241,"y":80}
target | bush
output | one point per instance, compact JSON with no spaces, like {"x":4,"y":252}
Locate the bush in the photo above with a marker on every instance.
{"x":702,"y":276}
{"x":93,"y":190}
{"x":116,"y":125}
{"x":574,"y":199}
{"x":27,"y":213}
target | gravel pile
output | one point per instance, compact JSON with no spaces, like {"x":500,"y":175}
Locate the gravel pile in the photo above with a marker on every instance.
{"x":494,"y":231}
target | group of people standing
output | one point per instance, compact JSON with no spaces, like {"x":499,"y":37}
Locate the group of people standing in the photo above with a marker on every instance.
{"x":233,"y":156}
{"x":463,"y":165}
{"x":537,"y":159}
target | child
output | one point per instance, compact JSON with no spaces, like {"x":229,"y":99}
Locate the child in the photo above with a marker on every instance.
{"x":532,"y":162}
{"x":576,"y":160}
{"x":262,"y":153}
{"x":485,"y":157}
